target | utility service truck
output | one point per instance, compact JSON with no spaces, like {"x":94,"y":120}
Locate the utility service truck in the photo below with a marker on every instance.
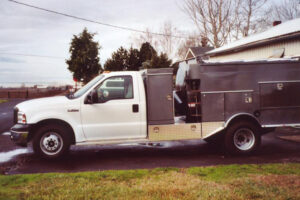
{"x":233,"y":103}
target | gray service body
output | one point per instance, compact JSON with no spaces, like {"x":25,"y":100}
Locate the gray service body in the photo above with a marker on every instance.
{"x":268,"y":91}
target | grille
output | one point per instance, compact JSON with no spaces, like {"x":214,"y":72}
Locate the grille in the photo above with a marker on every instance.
{"x":16,"y":110}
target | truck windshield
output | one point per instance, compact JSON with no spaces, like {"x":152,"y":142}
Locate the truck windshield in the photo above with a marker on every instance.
{"x":85,"y":88}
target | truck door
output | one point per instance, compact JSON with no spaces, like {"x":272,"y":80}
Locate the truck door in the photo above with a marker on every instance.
{"x":116,"y":115}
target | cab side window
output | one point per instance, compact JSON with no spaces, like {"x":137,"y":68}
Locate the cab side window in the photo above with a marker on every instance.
{"x":119,"y":87}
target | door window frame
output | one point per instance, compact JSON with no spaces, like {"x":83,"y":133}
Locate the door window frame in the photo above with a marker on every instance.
{"x":117,"y":76}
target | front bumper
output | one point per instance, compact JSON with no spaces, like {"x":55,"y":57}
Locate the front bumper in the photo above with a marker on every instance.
{"x":19,"y":134}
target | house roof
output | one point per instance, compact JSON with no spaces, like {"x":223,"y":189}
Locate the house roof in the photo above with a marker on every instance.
{"x":287,"y":30}
{"x":197,"y":51}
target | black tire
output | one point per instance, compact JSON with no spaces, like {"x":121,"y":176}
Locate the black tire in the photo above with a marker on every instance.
{"x":242,"y":138}
{"x":51,"y":141}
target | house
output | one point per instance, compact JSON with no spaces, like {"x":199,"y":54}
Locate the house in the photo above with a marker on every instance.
{"x":193,"y":56}
{"x":194,"y":52}
{"x":280,"y":41}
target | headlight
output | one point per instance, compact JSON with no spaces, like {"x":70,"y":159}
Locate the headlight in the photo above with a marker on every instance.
{"x":21,"y":118}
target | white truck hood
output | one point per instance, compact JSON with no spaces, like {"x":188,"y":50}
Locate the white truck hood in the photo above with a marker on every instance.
{"x":49,"y":103}
{"x":52,"y":107}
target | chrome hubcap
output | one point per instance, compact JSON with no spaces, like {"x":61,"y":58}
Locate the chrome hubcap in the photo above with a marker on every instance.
{"x":51,"y":143}
{"x":244,"y":139}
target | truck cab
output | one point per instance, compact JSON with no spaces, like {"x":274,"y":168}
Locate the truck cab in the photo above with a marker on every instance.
{"x":114,"y":103}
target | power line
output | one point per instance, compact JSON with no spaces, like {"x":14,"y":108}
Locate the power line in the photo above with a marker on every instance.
{"x":97,"y":22}
{"x":31,"y":55}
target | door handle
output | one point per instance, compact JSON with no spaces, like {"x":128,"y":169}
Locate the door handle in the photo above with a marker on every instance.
{"x":135,"y":108}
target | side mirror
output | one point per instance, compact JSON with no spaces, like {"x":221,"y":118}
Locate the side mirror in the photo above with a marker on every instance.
{"x":91,"y":98}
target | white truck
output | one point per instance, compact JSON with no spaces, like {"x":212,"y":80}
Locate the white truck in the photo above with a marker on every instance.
{"x":127,"y":107}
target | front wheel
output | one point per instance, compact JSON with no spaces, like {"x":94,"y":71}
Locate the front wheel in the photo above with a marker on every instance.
{"x":242,"y":138}
{"x":51,"y":141}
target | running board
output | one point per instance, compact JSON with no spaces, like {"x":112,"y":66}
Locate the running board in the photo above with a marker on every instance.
{"x":118,"y":141}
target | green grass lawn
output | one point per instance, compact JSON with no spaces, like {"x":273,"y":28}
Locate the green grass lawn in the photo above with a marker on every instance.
{"x":267,"y":181}
{"x":3,"y":100}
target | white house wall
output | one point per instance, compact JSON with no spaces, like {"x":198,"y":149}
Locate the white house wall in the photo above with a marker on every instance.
{"x":292,"y":48}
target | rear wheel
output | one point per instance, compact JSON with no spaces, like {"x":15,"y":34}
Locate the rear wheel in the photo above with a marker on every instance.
{"x":242,"y":138}
{"x":51,"y":141}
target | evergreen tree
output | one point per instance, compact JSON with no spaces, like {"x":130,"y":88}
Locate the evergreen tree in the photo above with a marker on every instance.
{"x":118,"y":61}
{"x":147,"y":52}
{"x":133,"y":59}
{"x":150,"y":59}
{"x":161,"y":61}
{"x":84,"y":60}
{"x":134,"y":62}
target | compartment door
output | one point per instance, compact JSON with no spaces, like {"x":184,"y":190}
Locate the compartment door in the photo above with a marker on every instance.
{"x":212,"y":107}
{"x":280,"y":103}
{"x":160,"y":99}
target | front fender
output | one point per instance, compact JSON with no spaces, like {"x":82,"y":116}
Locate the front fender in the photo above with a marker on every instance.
{"x":72,"y":118}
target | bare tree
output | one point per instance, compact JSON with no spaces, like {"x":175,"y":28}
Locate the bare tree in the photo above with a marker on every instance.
{"x":280,"y":11}
{"x":286,"y":10}
{"x":248,"y":16}
{"x":212,"y":18}
{"x":258,"y":15}
{"x":193,"y":41}
{"x":222,"y":21}
{"x":139,"y":39}
{"x":166,"y":42}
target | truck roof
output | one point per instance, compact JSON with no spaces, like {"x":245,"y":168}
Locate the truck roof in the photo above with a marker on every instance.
{"x":122,"y":73}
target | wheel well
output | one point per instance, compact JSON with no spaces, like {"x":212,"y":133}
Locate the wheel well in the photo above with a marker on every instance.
{"x":243,"y":118}
{"x":52,"y":121}
{"x":246,"y":117}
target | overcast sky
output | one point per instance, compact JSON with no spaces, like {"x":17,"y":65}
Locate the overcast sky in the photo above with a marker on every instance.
{"x":26,"y":30}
